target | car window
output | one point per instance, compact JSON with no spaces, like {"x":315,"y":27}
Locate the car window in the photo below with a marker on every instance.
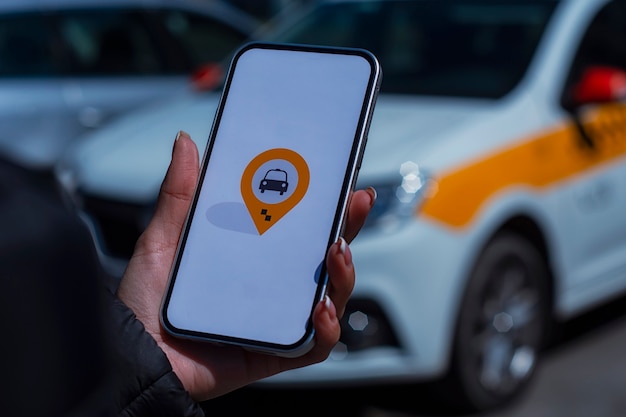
{"x":109,"y":42}
{"x":25,"y":49}
{"x":112,"y":41}
{"x":202,"y":38}
{"x":469,"y":48}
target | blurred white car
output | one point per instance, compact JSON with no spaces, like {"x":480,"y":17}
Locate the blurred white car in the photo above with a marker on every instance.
{"x":70,"y":66}
{"x":498,"y":150}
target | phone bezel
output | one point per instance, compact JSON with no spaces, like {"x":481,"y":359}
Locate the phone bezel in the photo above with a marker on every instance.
{"x":306,"y":342}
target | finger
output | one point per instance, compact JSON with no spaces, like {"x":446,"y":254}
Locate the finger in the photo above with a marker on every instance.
{"x":360,"y":205}
{"x":156,"y":247}
{"x":176,"y":190}
{"x":327,"y":333}
{"x":341,"y":274}
{"x":327,"y":330}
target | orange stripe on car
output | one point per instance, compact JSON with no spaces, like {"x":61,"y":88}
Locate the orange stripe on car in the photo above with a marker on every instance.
{"x":538,"y":163}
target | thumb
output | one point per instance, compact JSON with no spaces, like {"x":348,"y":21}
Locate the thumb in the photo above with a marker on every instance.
{"x":176,"y":194}
{"x":156,"y":247}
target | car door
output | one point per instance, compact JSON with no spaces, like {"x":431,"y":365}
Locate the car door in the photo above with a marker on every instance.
{"x":593,"y":211}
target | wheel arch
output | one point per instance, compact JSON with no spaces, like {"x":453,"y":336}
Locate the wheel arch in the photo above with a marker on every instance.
{"x":528,"y":228}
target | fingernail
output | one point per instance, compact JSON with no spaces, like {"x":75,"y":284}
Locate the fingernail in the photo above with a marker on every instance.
{"x":373,"y":195}
{"x":344,"y":249}
{"x":178,"y":136}
{"x":181,"y":133}
{"x":327,"y":302}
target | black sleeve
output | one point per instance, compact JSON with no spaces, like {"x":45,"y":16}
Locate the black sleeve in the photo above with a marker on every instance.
{"x":145,"y":384}
{"x":53,"y":348}
{"x":71,"y":348}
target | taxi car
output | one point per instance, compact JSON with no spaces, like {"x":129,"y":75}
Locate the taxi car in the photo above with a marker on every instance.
{"x":498,"y":150}
{"x":274,"y":180}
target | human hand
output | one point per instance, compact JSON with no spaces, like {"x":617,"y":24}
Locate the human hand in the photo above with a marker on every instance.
{"x":207,"y":370}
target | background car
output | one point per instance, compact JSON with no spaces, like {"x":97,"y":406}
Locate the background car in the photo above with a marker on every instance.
{"x":267,"y":10}
{"x":70,"y":66}
{"x":498,"y":152}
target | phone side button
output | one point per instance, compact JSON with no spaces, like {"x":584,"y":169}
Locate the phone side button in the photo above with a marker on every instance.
{"x":360,"y":160}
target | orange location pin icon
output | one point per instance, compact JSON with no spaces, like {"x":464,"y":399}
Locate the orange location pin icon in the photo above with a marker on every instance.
{"x":272,"y":184}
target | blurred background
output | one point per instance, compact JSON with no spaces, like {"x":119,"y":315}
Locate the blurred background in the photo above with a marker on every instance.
{"x":492,"y":271}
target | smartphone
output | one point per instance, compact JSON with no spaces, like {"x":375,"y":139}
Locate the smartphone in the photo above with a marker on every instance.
{"x":282,"y":159}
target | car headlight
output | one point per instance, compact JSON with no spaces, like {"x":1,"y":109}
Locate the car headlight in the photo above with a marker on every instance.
{"x":399,"y":198}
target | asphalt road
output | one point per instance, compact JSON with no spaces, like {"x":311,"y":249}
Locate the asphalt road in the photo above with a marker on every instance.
{"x":585,"y":376}
{"x":582,"y":375}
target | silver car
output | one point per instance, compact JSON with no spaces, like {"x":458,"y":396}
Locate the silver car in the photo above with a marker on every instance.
{"x":70,"y":66}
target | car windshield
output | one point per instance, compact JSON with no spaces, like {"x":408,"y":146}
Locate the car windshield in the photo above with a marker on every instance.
{"x":442,"y":48}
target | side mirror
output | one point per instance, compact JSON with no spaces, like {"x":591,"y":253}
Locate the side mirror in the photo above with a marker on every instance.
{"x":599,"y":84}
{"x":207,"y":77}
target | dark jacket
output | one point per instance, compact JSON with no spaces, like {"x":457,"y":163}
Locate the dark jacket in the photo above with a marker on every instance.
{"x":145,"y":383}
{"x":69,"y":346}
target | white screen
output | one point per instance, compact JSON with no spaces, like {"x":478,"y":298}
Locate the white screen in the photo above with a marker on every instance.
{"x":256,"y":279}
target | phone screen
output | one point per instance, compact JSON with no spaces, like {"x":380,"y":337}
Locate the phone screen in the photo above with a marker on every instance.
{"x":280,"y":161}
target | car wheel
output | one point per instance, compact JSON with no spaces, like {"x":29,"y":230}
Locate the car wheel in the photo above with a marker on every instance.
{"x":502,"y":324}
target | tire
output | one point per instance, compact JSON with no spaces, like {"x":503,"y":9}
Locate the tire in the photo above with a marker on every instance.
{"x":502,"y":325}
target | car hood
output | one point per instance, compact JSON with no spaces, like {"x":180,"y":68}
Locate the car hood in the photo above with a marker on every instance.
{"x":127,"y":160}
{"x":410,"y":128}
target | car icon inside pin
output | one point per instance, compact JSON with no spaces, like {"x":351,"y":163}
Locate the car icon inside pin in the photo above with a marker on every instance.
{"x":274,"y":180}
